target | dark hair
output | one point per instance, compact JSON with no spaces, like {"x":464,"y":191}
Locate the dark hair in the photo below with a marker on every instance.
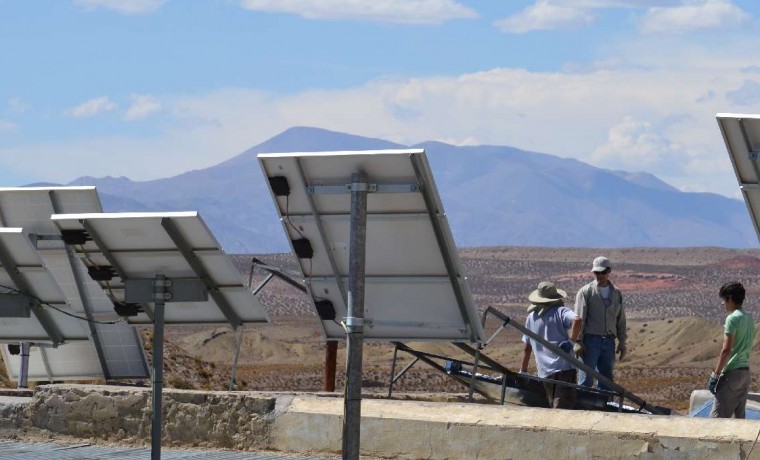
{"x":732,"y":290}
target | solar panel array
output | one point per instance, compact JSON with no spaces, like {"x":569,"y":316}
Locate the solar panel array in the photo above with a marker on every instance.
{"x":91,"y":348}
{"x":71,"y":319}
{"x":414,"y":285}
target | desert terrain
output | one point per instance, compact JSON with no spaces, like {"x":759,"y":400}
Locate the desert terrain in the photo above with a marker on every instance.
{"x":674,"y":323}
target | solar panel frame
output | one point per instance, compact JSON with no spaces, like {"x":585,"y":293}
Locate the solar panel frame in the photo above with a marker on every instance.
{"x":141,"y":245}
{"x":741,"y":134}
{"x":74,"y":360}
{"x":45,"y":324}
{"x":30,"y":208}
{"x":408,"y":241}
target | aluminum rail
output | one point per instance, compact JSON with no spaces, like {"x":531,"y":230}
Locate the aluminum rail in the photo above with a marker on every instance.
{"x":279,"y":273}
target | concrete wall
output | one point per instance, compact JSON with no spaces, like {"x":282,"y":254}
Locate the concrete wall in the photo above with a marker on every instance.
{"x":390,"y":429}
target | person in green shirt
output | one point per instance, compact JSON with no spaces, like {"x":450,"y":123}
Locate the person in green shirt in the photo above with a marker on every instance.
{"x":730,"y":380}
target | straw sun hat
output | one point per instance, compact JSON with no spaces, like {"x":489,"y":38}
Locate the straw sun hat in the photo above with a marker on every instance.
{"x":547,"y":292}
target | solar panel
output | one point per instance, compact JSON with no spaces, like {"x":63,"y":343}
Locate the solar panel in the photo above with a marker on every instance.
{"x":30,"y":208}
{"x":75,"y":360}
{"x":120,"y":247}
{"x":414,"y":285}
{"x":161,"y":268}
{"x":25,"y":276}
{"x":741,"y":133}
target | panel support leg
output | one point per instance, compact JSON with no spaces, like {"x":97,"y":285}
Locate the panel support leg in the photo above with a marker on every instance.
{"x":233,"y":377}
{"x":393,"y":371}
{"x":23,"y":372}
{"x":474,"y":373}
{"x":159,"y":289}
{"x":355,"y":319}
{"x":331,"y":358}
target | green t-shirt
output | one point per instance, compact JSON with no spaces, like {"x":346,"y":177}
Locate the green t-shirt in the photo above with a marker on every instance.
{"x":740,"y":324}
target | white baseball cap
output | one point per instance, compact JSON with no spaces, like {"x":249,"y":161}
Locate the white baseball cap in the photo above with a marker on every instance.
{"x":600,"y":264}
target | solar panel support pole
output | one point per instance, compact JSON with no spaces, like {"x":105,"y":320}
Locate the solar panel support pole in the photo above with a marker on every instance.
{"x":159,"y":291}
{"x":354,"y":322}
{"x":23,"y":372}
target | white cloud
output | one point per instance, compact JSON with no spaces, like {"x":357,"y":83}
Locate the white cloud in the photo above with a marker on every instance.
{"x":651,"y":111}
{"x":18,"y":105}
{"x":7,"y":126}
{"x":545,"y":15}
{"x":617,"y":3}
{"x":393,"y":11}
{"x":91,"y":108}
{"x":693,"y":15}
{"x":658,"y":16}
{"x":635,"y":145}
{"x":122,"y":6}
{"x":143,"y":105}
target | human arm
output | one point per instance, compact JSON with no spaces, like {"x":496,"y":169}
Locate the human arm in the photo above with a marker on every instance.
{"x":575,"y":332}
{"x":580,"y":303}
{"x":575,"y":328}
{"x":725,"y":353}
{"x":526,"y":358}
{"x":622,"y":334}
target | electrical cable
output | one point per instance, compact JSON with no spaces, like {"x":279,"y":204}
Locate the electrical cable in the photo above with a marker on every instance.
{"x":46,"y":304}
{"x":250,"y":273}
{"x":287,"y":216}
{"x":753,"y":444}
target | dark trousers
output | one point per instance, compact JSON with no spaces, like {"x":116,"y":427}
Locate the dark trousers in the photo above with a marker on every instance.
{"x":599,"y":354}
{"x":731,"y":394}
{"x":560,"y":396}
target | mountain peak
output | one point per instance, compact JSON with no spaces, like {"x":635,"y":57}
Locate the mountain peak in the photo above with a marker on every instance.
{"x":311,"y":139}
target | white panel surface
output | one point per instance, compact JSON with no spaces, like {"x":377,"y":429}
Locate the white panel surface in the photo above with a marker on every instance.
{"x":75,"y":360}
{"x":415,"y":289}
{"x":741,"y":133}
{"x":140,"y":246}
{"x":30,"y":208}
{"x":35,"y":276}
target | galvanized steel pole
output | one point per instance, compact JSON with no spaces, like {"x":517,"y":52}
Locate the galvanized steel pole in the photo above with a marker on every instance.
{"x":23,"y":372}
{"x":159,"y":289}
{"x":355,"y":319}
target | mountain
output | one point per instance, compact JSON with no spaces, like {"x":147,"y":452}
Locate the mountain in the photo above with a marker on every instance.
{"x":493,"y":195}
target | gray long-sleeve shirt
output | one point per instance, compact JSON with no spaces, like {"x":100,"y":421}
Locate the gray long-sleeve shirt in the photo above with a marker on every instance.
{"x":597,"y":318}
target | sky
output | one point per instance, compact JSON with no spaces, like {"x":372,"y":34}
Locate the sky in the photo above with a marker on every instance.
{"x":152,"y":88}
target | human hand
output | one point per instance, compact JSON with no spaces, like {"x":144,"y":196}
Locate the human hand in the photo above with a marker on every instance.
{"x":578,"y":350}
{"x":712,"y":383}
{"x":622,"y":350}
{"x":566,"y":346}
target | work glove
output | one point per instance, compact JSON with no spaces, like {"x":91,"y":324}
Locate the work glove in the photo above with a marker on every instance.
{"x":578,"y":350}
{"x":621,"y":350}
{"x":566,"y":346}
{"x":712,"y":383}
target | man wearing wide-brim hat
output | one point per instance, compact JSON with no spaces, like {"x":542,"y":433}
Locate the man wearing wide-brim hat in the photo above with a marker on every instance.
{"x":550,"y":319}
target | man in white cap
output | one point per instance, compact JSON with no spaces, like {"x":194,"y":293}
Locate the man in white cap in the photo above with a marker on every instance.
{"x":550,"y":319}
{"x":599,"y":304}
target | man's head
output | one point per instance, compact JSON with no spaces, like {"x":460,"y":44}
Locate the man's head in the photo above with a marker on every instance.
{"x":601,"y":268}
{"x":732,"y":294}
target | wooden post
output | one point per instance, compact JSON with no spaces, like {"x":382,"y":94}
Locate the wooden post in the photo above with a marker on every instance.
{"x":331,"y":356}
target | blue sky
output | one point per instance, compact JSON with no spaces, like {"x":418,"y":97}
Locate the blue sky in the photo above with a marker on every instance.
{"x":152,"y":88}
